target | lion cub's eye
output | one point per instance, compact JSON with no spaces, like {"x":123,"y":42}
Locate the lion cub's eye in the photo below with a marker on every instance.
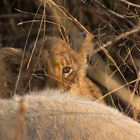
{"x":67,"y":70}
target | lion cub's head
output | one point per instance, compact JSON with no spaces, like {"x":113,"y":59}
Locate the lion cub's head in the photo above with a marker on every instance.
{"x":55,"y":61}
{"x":51,"y":62}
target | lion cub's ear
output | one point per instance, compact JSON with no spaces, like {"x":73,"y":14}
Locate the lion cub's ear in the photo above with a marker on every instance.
{"x":86,"y":44}
{"x":10,"y":59}
{"x":83,"y":46}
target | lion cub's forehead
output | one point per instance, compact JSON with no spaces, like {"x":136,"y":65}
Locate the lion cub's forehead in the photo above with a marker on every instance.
{"x":59,"y":51}
{"x":57,"y":46}
{"x":60,"y":59}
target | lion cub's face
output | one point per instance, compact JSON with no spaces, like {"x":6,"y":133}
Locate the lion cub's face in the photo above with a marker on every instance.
{"x":50,"y":63}
{"x":57,"y":63}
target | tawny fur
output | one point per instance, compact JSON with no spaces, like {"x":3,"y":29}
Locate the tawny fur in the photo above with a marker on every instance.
{"x":43,"y":66}
{"x":10,"y":59}
{"x":53,"y":56}
{"x":53,"y":114}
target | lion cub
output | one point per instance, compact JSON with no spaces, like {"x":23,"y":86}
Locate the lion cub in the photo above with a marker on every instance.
{"x":50,"y":63}
{"x":61,"y":66}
